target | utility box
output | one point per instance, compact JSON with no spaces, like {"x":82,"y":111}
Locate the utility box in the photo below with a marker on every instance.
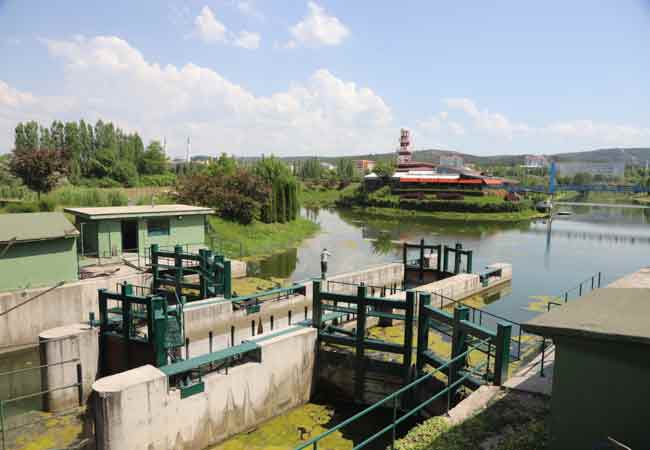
{"x":601,"y":369}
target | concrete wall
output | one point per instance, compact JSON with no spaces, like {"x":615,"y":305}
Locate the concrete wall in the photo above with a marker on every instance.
{"x":62,"y":344}
{"x":41,"y":263}
{"x":381,"y":275}
{"x":64,"y":305}
{"x":137,"y":410}
{"x":600,"y":389}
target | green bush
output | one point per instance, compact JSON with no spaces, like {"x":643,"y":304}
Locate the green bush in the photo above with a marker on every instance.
{"x":165,"y":179}
{"x":23,"y":207}
{"x":46,"y":204}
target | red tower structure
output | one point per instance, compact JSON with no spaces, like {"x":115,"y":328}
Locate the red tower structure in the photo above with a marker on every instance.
{"x":403,"y":153}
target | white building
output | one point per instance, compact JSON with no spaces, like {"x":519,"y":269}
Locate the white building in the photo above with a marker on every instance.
{"x":535,"y":161}
{"x":452,"y":161}
{"x":610,"y":169}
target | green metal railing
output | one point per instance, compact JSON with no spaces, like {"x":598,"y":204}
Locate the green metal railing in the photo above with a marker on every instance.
{"x":5,"y":428}
{"x":394,"y":399}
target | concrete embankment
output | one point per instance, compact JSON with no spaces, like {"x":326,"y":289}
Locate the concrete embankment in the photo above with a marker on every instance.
{"x":20,"y":324}
{"x":138,"y":410}
{"x":227,"y":325}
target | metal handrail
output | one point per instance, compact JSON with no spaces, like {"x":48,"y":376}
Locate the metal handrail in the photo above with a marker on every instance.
{"x":313,"y":442}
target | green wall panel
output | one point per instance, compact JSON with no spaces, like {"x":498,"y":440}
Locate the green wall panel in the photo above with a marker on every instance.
{"x":40,"y":263}
{"x":600,"y":390}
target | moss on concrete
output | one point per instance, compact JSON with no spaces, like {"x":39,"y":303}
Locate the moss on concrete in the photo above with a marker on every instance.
{"x":47,"y":431}
{"x":251,"y":285}
{"x":289,"y":430}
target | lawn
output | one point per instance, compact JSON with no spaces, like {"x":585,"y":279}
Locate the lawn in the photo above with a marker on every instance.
{"x":258,"y":239}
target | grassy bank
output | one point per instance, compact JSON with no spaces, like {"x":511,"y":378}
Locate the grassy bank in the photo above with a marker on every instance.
{"x":519,"y":216}
{"x":512,"y":421}
{"x":76,"y":196}
{"x":322,"y":197}
{"x":258,"y":239}
{"x":606,"y":197}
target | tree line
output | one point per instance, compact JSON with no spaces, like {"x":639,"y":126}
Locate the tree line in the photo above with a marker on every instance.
{"x":266,"y":191}
{"x":102,"y":155}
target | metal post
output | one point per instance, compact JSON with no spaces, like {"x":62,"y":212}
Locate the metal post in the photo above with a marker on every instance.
{"x":360,"y":343}
{"x":502,"y":360}
{"x":155,"y":269}
{"x":598,"y":279}
{"x":469,"y":261}
{"x":566,"y":296}
{"x":210,"y":340}
{"x":458,"y":342}
{"x":178,"y":266}
{"x":227,"y":278}
{"x":316,"y":315}
{"x":423,"y":331}
{"x":580,"y":292}
{"x":457,"y":256}
{"x":541,"y":369}
{"x":2,"y":424}
{"x":408,"y":335}
{"x":592,"y":282}
{"x":421,"y":276}
{"x":80,"y":389}
{"x":394,"y":430}
{"x":187,"y":348}
{"x":445,"y":263}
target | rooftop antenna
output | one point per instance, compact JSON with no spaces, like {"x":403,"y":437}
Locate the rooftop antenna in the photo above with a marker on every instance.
{"x":187,"y":154}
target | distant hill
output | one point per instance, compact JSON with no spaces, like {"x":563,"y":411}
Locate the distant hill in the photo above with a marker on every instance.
{"x":631,"y":156}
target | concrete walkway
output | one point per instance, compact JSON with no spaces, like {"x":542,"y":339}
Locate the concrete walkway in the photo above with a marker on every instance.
{"x":638,"y":279}
{"x":529,"y":379}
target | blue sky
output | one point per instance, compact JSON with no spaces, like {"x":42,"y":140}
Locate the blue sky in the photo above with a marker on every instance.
{"x":334,"y":77}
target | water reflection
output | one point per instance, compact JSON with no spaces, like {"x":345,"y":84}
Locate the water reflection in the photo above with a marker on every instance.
{"x":546,"y":260}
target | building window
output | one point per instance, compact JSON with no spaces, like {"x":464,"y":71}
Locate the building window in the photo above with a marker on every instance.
{"x":158,"y":227}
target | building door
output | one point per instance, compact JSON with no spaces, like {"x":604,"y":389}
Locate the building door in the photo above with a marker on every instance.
{"x":129,"y":236}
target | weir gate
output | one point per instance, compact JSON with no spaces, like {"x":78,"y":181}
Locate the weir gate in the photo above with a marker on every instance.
{"x":251,"y":359}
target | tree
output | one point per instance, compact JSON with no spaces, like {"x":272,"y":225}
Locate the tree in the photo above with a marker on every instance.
{"x":223,"y":166}
{"x":384,"y":169}
{"x":154,"y":161}
{"x":39,"y":169}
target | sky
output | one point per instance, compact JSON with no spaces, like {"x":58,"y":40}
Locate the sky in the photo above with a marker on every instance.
{"x":334,"y":77}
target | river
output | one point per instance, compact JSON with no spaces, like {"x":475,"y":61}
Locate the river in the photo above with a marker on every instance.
{"x":611,"y":239}
{"x":547,"y":259}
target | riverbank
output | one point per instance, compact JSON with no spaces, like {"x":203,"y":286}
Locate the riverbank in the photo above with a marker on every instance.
{"x":322,"y":197}
{"x":615,"y":198}
{"x":258,"y":239}
{"x":519,"y":216}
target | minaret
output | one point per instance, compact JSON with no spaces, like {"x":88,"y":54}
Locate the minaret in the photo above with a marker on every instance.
{"x":187,"y":153}
{"x":403,"y":153}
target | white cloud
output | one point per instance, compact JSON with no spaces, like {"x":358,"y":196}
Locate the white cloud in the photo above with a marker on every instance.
{"x":496,"y":123}
{"x":456,"y":128}
{"x":248,"y":40}
{"x":13,"y":98}
{"x":208,"y":27}
{"x":317,"y":28}
{"x":105,"y":77}
{"x":211,"y":31}
{"x":248,"y":9}
{"x":610,"y":132}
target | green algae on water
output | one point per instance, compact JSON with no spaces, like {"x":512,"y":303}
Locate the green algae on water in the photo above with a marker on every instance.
{"x":289,"y":430}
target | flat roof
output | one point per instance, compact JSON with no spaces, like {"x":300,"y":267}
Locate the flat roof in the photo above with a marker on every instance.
{"x":614,"y":314}
{"x":24,"y":227}
{"x":121,"y":212}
